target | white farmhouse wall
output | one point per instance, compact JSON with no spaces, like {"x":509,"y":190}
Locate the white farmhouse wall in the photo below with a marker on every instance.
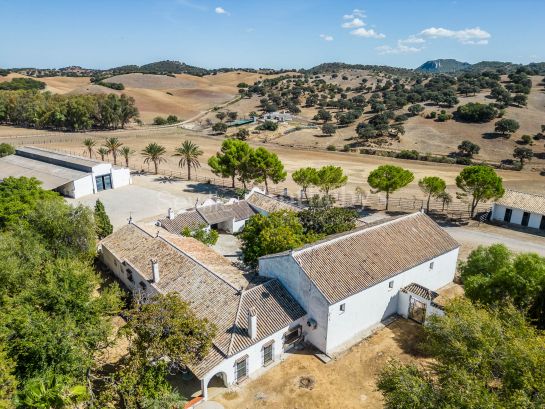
{"x":238,"y":226}
{"x":366,"y":309}
{"x":102,"y":169}
{"x":83,"y":186}
{"x":498,"y":213}
{"x":288,"y":272}
{"x":255,"y":358}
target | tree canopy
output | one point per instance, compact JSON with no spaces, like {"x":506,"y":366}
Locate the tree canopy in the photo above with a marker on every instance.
{"x":483,"y":358}
{"x":305,"y":177}
{"x":433,"y":186}
{"x":389,"y":178}
{"x":481,"y":183}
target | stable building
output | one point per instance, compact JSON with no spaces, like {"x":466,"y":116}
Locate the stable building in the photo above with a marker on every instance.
{"x":71,"y":176}
{"x":519,"y":208}
{"x":350,"y":282}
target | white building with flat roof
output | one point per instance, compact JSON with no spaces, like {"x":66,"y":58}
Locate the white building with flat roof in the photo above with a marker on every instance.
{"x":71,"y":176}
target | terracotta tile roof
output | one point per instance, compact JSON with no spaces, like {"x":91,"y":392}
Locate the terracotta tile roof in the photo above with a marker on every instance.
{"x":421,"y":291}
{"x":207,"y":286}
{"x":190,"y":219}
{"x":241,"y":210}
{"x":344,"y":264}
{"x":527,"y":202}
{"x":216,"y":213}
{"x":269,"y":204}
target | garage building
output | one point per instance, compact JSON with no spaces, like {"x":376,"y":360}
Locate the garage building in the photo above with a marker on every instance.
{"x":71,"y":176}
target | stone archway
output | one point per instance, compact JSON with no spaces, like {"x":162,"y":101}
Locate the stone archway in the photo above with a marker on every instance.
{"x":216,"y":384}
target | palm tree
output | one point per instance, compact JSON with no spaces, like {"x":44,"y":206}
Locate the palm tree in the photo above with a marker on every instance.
{"x":103,"y":151}
{"x":126,"y":152}
{"x":189,"y":153}
{"x":89,"y":144}
{"x":113,"y":144}
{"x":154,"y":153}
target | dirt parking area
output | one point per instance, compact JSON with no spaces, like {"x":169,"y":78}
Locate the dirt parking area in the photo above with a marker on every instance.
{"x":303,"y":381}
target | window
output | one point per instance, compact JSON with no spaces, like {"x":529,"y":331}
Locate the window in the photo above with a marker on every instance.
{"x":241,"y":369}
{"x":143,"y":285}
{"x":542,"y":224}
{"x":431,"y":265}
{"x":115,"y":262}
{"x":268,"y":353}
{"x":507,"y":216}
{"x":391,"y":284}
{"x":525,"y":218}
{"x":129,"y":276}
{"x":342,"y":307}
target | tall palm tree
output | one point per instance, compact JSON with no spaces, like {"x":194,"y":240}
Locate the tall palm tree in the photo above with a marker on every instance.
{"x":189,"y":153}
{"x":113,"y":144}
{"x":89,"y":144}
{"x":154,"y":153}
{"x":103,"y":151}
{"x":126,"y":152}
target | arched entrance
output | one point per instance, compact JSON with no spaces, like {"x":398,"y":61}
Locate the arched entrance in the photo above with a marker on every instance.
{"x":217,"y":384}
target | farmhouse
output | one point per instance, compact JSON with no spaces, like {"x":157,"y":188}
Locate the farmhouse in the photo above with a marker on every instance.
{"x":229,"y":217}
{"x":278,"y":116}
{"x":71,"y":176}
{"x":330,"y":293}
{"x":255,"y":325}
{"x":350,"y":282}
{"x":265,"y":204}
{"x":523,"y":209}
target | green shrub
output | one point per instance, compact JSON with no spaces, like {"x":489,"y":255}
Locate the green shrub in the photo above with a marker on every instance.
{"x":331,"y":148}
{"x":476,"y":112}
{"x":406,"y":154}
{"x":159,"y":120}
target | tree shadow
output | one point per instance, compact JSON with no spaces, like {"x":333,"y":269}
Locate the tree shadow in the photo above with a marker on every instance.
{"x":492,"y":135}
{"x":410,"y":337}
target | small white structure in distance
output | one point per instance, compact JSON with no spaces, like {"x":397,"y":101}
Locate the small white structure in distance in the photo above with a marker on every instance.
{"x":523,"y":209}
{"x":278,"y":116}
{"x":71,"y":176}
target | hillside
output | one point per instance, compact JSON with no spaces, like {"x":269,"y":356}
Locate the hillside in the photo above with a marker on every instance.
{"x":443,"y":66}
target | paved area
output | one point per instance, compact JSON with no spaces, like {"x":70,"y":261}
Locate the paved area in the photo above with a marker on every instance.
{"x":228,"y":246}
{"x":147,"y":199}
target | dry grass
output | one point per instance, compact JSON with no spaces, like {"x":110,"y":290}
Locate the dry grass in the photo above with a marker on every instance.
{"x":347,"y":382}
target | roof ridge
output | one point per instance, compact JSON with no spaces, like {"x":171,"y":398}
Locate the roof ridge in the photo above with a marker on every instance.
{"x":351,"y":233}
{"x":525,"y":193}
{"x":231,"y":340}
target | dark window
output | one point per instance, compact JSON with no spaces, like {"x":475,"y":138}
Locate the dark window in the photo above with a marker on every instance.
{"x":525,"y":219}
{"x":292,"y":335}
{"x":542,"y":224}
{"x":129,"y":276}
{"x":507,"y":216}
{"x":241,"y":369}
{"x":143,"y":285}
{"x":267,"y":354}
{"x":342,"y":307}
{"x":104,"y":182}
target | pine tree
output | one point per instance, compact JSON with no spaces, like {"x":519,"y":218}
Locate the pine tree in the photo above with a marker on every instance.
{"x":103,"y":226}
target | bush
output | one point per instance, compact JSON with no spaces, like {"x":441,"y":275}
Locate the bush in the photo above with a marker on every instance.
{"x":172,"y":119}
{"x":113,"y":85}
{"x":22,"y":84}
{"x":331,"y":148}
{"x":159,"y":120}
{"x":268,"y":126}
{"x":476,"y":112}
{"x":6,"y":149}
{"x":463,"y":161}
{"x":406,"y":154}
{"x":526,"y":139}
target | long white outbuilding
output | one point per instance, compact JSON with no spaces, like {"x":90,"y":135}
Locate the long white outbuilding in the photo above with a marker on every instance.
{"x":71,"y":176}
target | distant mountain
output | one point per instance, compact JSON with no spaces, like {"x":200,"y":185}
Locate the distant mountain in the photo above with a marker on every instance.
{"x":443,"y":66}
{"x":333,"y":67}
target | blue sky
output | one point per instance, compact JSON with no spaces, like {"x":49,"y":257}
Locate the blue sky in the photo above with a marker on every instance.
{"x":273,"y":33}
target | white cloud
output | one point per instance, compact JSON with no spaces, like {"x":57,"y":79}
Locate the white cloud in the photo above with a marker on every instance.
{"x":362,"y":32}
{"x":326,"y":37}
{"x":355,"y":13}
{"x":221,"y":10}
{"x":400,"y":48}
{"x":412,"y":40}
{"x":356,"y":22}
{"x":466,"y":36}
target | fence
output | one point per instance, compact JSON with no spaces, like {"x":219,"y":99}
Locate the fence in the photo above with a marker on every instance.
{"x":457,"y":210}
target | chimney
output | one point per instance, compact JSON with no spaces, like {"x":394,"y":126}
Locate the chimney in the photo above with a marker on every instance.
{"x":170,"y":213}
{"x":155,"y":270}
{"x":252,"y":323}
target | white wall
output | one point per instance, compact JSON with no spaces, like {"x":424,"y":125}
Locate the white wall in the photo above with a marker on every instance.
{"x":404,"y":303}
{"x":288,"y":272}
{"x":102,"y":169}
{"x":84,"y":186}
{"x":368,"y":308}
{"x":121,"y":177}
{"x":498,"y":213}
{"x":255,"y":358}
{"x":238,"y":226}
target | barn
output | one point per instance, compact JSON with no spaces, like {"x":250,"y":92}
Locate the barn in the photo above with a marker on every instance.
{"x":519,"y":208}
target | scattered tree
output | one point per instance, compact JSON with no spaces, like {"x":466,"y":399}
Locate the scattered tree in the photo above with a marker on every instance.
{"x":468,"y":149}
{"x":305,"y":177}
{"x":89,"y":145}
{"x":126,"y":152}
{"x":329,"y":178}
{"x":432,"y":186}
{"x":506,"y":126}
{"x":521,"y":153}
{"x":389,"y":178}
{"x":328,"y":129}
{"x":154,"y":153}
{"x":6,"y":149}
{"x":267,"y":166}
{"x":103,"y":152}
{"x":113,"y":145}
{"x":189,"y":154}
{"x":481,"y":183}
{"x":219,"y":127}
